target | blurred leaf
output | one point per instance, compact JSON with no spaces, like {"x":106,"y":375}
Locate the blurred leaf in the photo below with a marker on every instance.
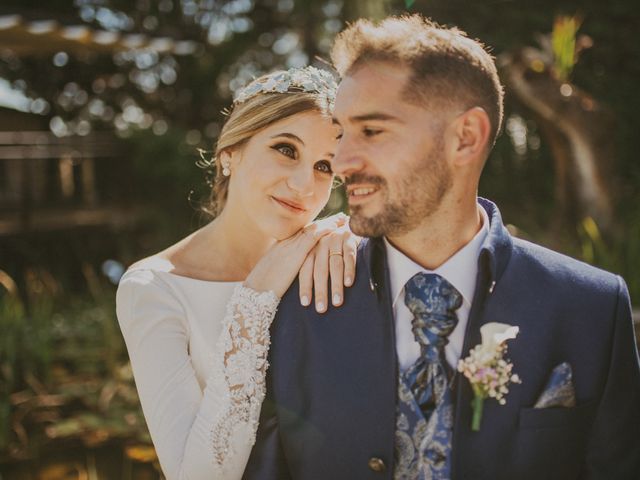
{"x":96,"y":437}
{"x":563,"y":40}
{"x":5,"y":413}
{"x":65,"y":428}
{"x":592,"y":230}
{"x":141,"y":453}
{"x":60,"y":472}
{"x":594,"y":248}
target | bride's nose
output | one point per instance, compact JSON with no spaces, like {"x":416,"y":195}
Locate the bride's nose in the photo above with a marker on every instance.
{"x":301,"y":181}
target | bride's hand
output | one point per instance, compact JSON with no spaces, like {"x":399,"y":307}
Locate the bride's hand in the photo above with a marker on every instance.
{"x":334,"y":256}
{"x":277,"y":269}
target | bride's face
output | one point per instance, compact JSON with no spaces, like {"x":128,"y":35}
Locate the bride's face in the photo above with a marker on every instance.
{"x":281,"y":178}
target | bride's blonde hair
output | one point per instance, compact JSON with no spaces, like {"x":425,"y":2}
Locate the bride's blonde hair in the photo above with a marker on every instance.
{"x":251,"y":116}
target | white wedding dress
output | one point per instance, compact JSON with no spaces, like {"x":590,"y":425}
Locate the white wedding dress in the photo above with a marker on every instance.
{"x":198,"y":350}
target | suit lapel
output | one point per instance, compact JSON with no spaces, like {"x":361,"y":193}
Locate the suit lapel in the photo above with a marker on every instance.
{"x":379,"y":282}
{"x":492,"y":261}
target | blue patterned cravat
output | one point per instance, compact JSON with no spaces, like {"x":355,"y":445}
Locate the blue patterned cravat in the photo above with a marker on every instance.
{"x":425,"y":405}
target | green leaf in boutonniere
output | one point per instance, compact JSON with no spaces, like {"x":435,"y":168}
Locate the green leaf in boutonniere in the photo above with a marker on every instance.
{"x":488,"y":372}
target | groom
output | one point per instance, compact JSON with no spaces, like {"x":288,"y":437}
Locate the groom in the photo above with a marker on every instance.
{"x":369,"y":390}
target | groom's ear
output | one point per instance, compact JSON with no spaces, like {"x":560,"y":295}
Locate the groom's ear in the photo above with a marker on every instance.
{"x":470,"y":132}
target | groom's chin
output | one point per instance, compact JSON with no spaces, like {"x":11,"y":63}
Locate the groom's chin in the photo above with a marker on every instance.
{"x":366,"y":226}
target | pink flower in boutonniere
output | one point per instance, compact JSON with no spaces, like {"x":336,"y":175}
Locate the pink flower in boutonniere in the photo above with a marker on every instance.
{"x":487,"y":370}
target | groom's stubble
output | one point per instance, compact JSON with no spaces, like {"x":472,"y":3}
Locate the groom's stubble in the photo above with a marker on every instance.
{"x":408,"y":199}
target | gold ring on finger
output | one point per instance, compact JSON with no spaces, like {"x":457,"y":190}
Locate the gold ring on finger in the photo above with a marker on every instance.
{"x":335,"y":253}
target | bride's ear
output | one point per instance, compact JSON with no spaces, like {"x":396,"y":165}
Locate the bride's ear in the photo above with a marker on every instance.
{"x":228,"y":159}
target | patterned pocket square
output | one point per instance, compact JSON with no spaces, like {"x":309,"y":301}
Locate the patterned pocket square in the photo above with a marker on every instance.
{"x":559,"y":391}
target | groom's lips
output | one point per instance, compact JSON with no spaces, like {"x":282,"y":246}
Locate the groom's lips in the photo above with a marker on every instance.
{"x":360,"y":193}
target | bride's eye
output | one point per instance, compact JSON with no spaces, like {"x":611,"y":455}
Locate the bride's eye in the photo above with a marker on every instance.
{"x":324,"y":167}
{"x":285,"y":149}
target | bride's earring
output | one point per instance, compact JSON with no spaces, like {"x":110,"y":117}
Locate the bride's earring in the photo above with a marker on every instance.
{"x":226,"y":168}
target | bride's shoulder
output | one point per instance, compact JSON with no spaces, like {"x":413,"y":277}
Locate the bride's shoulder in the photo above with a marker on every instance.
{"x":146,"y":297}
{"x":150,"y":272}
{"x":164,"y":261}
{"x":147,"y":285}
{"x":154,"y":263}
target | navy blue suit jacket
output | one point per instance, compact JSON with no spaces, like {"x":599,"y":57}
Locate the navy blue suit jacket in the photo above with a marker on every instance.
{"x":331,"y":394}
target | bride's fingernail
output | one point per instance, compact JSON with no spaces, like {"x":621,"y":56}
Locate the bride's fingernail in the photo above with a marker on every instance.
{"x":305,"y":301}
{"x":320,"y":306}
{"x":348,"y":281}
{"x":336,"y":299}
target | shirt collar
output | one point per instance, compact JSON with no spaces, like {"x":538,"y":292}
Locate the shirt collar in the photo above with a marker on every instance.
{"x":460,"y":270}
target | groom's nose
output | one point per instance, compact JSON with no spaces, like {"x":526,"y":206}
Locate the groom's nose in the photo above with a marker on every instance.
{"x":348,"y":157}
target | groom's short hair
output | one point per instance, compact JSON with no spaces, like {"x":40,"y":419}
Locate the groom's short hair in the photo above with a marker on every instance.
{"x":448,"y":68}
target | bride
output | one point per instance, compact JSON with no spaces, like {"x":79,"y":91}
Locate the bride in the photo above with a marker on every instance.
{"x":196,"y":316}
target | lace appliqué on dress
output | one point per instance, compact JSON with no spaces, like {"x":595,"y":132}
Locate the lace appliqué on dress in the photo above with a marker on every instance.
{"x":241,"y":359}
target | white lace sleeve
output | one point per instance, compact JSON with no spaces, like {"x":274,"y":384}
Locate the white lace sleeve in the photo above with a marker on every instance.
{"x":200,"y":432}
{"x":241,"y":365}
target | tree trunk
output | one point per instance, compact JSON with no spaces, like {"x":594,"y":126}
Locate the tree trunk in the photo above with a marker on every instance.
{"x":578,"y":131}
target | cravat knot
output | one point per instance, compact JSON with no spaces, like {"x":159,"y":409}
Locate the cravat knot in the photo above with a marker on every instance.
{"x":433,"y":301}
{"x":424,"y":426}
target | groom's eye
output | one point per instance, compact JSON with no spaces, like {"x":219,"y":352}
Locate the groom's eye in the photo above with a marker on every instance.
{"x":370,"y":132}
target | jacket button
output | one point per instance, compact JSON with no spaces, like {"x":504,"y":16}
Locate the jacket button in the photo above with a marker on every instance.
{"x":376,"y":464}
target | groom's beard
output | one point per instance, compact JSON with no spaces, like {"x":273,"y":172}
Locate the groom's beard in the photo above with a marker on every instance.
{"x":412,"y":198}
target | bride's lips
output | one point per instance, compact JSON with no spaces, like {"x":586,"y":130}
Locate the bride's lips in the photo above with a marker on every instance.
{"x":360,"y":193}
{"x":290,"y":205}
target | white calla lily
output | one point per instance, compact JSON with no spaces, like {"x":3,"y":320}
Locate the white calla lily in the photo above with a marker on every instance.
{"x":495,"y":334}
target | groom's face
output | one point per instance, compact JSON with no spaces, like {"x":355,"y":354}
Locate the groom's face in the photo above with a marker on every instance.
{"x":391,"y":154}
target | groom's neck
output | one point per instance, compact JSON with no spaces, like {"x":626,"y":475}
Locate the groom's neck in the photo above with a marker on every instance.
{"x":441,"y":234}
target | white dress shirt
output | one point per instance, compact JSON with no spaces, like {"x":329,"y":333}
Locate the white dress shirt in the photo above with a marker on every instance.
{"x":460,"y":270}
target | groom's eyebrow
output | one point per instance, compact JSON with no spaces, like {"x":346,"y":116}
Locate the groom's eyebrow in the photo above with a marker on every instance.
{"x":367,"y":117}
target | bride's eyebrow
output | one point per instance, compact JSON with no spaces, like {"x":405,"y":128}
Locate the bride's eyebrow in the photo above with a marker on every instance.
{"x":289,"y":135}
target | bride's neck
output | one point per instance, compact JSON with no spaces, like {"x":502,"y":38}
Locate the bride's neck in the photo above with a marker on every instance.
{"x":233,"y":244}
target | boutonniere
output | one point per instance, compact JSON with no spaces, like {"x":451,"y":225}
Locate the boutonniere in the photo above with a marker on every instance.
{"x":487,"y":370}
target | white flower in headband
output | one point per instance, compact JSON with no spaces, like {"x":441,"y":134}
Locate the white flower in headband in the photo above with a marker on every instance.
{"x":307,"y":79}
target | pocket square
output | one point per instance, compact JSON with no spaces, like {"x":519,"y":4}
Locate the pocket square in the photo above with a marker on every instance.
{"x":559,"y":391}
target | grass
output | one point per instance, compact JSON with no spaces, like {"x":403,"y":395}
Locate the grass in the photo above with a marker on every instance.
{"x":67,"y":390}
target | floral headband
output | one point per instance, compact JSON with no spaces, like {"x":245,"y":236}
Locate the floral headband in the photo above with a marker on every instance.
{"x":307,"y":79}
